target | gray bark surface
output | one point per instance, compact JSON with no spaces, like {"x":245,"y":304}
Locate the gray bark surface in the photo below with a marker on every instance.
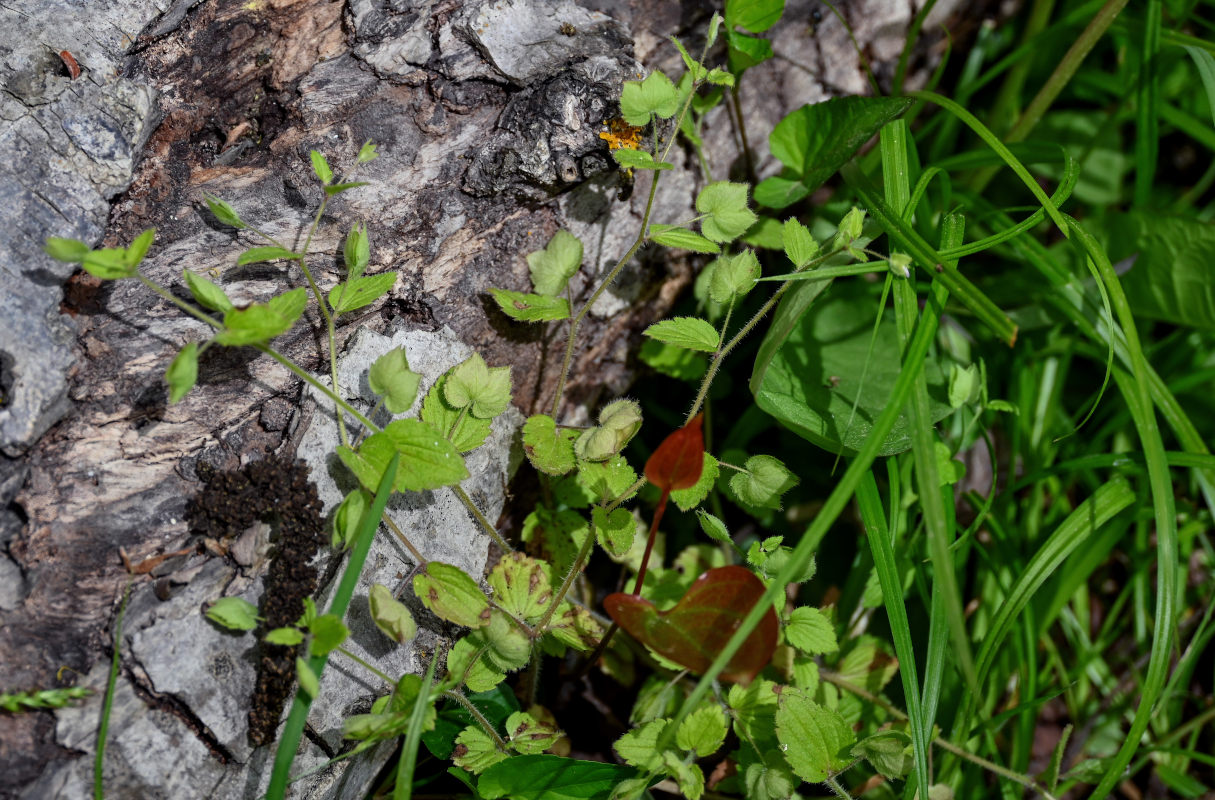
{"x":487,"y":117}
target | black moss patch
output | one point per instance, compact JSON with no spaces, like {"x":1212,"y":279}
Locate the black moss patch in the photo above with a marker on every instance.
{"x":271,"y":491}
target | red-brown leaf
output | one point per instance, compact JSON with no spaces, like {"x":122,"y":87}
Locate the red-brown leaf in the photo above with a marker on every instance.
{"x":679,"y":460}
{"x":701,"y":623}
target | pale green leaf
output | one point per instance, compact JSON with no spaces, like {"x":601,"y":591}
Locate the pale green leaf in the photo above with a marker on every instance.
{"x":390,"y":615}
{"x":473,"y":384}
{"x":531,"y":307}
{"x":549,"y":450}
{"x":207,"y":294}
{"x":815,"y":739}
{"x":182,"y":372}
{"x":675,"y":236}
{"x":391,"y":378}
{"x":689,"y":332}
{"x":810,"y":631}
{"x":704,"y":730}
{"x":552,"y":267}
{"x":361,"y":291}
{"x":451,"y":594}
{"x":234,"y":613}
{"x":725,"y":206}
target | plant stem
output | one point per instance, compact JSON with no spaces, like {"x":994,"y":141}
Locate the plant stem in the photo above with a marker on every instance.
{"x":839,"y":790}
{"x":320,"y":387}
{"x":379,"y":674}
{"x":583,"y":553}
{"x":420,"y":559}
{"x":103,"y":729}
{"x":481,"y":520}
{"x":167,"y":295}
{"x":476,"y":714}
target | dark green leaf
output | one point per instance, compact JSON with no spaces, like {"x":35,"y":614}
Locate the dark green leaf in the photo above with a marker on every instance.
{"x":746,"y":51}
{"x":1173,"y":277}
{"x":778,"y":191}
{"x":541,"y":777}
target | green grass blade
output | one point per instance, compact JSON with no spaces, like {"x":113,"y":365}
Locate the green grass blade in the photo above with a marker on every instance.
{"x":289,"y":742}
{"x":403,"y":787}
{"x":1204,"y":62}
{"x":107,"y":704}
{"x":1147,"y":111}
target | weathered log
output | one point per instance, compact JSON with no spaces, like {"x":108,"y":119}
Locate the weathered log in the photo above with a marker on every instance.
{"x":487,"y":116}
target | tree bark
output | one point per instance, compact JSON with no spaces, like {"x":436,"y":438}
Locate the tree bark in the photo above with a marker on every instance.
{"x":487,"y":117}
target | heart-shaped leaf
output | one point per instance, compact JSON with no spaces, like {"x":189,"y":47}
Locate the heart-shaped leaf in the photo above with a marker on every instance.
{"x":702,"y":622}
{"x":678,"y":461}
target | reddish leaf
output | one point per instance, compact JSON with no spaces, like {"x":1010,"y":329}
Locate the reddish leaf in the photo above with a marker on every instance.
{"x":702,"y":622}
{"x":678,"y":461}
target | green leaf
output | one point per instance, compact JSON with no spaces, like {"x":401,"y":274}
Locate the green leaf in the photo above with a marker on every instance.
{"x":688,"y":499}
{"x":362,"y":291}
{"x":469,"y":434}
{"x":619,"y":421}
{"x":676,"y":362}
{"x":765,"y":234}
{"x":224,"y":212}
{"x":268,"y":253}
{"x":746,"y":51}
{"x":654,"y":95}
{"x":471,"y":383}
{"x":321,"y":167}
{"x":451,"y":594}
{"x":182,"y":372}
{"x":70,"y":250}
{"x":704,"y":730}
{"x":1173,"y":277}
{"x":688,"y":332}
{"x":367,"y":153}
{"x":261,"y":322}
{"x":810,"y":631}
{"x":205,"y":293}
{"x":817,"y":402}
{"x":428,"y":461}
{"x":606,"y":480}
{"x":530,"y":736}
{"x":390,"y":615}
{"x":549,"y":450}
{"x":696,"y":70}
{"x":689,"y":777}
{"x":544,"y":777}
{"x":531,"y":307}
{"x":615,"y":532}
{"x":764,"y":481}
{"x":963,"y":385}
{"x":753,"y":15}
{"x":552,"y":267}
{"x":816,"y":140}
{"x":778,"y":191}
{"x":733,"y":277}
{"x":288,"y":637}
{"x":675,"y":236}
{"x":347,"y":517}
{"x":889,"y":752}
{"x":509,"y":647}
{"x":310,"y":684}
{"x":725,"y":206}
{"x":338,"y":188}
{"x":522,"y":586}
{"x":629,"y":158}
{"x":357,"y":251}
{"x":139,"y":248}
{"x":799,"y":245}
{"x":713,"y":527}
{"x":391,"y":378}
{"x":234,"y":613}
{"x":109,"y":263}
{"x":328,"y":632}
{"x":639,"y":747}
{"x":476,"y":751}
{"x":814,"y":739}
{"x":719,"y":77}
{"x":950,"y":471}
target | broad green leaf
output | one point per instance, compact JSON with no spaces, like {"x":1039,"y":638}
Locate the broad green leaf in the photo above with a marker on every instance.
{"x":70,"y":250}
{"x":268,"y":253}
{"x":347,"y":517}
{"x":357,"y":251}
{"x":530,"y":736}
{"x":676,"y":362}
{"x":615,"y":532}
{"x":814,"y":739}
{"x":545,"y":777}
{"x":689,"y":777}
{"x":182,"y":372}
{"x":639,"y":747}
{"x":689,"y":332}
{"x":509,"y":647}
{"x":733,"y":277}
{"x":619,"y":421}
{"x":391,"y":615}
{"x":328,"y":632}
{"x":867,"y":665}
{"x":654,"y":95}
{"x":468,"y":433}
{"x":963,"y":384}
{"x":288,"y":637}
{"x":950,"y":471}
{"x":558,"y":534}
{"x":746,"y":51}
{"x":484,"y":390}
{"x":720,"y":77}
{"x":522,"y":586}
{"x":206,"y":293}
{"x":725,"y":206}
{"x":451,"y":594}
{"x":574,"y":627}
{"x":224,"y":212}
{"x":261,"y":322}
{"x":428,"y":460}
{"x":889,"y":752}
{"x":531,"y":307}
{"x":476,"y":752}
{"x":704,"y":730}
{"x":109,"y":263}
{"x":816,"y":140}
{"x":811,"y":381}
{"x":779,"y":191}
{"x":606,"y":480}
{"x":713,"y":527}
{"x":753,"y":15}
{"x":496,"y":706}
{"x":310,"y":684}
{"x":234,"y":613}
{"x":675,"y":236}
{"x":391,"y":378}
{"x":361,"y":291}
{"x":321,"y":167}
{"x":765,"y":234}
{"x":629,"y":158}
{"x":799,"y":245}
{"x":754,"y":708}
{"x":809,"y":630}
{"x":763,"y":483}
{"x":688,"y":499}
{"x":549,"y":450}
{"x":139,"y":248}
{"x":1173,"y":277}
{"x":552,"y":267}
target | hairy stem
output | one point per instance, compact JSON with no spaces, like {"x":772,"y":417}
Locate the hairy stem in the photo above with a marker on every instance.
{"x":485,"y":524}
{"x":476,"y":714}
